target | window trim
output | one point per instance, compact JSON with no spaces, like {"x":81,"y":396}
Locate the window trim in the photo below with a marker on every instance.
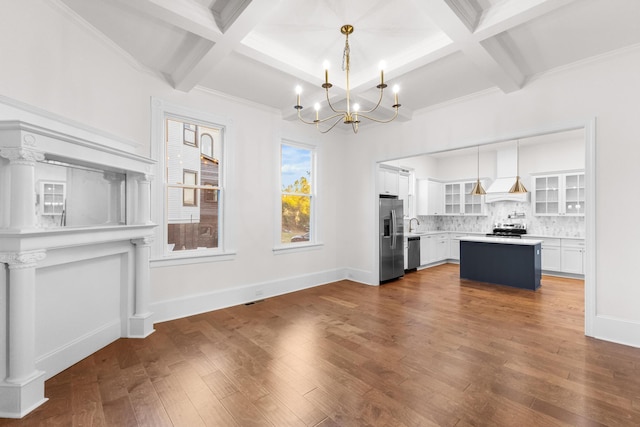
{"x":160,"y":256}
{"x":315,"y":234}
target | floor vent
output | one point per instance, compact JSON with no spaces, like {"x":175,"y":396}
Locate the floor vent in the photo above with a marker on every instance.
{"x":254,"y":302}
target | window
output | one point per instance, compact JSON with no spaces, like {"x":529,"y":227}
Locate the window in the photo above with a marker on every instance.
{"x":190,"y":201}
{"x":193,"y":187}
{"x":297,"y":164}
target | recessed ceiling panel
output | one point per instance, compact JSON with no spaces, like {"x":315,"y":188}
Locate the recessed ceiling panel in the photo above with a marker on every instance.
{"x":306,"y":33}
{"x":449,"y":78}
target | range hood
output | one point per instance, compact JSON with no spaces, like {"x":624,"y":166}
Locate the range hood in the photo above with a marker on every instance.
{"x":506,"y":170}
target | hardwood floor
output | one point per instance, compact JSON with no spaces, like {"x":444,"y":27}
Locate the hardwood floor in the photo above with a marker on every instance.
{"x":425,"y":350}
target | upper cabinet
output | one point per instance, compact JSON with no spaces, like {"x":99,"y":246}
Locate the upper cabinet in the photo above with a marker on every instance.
{"x":559,"y":194}
{"x":388,"y":181}
{"x":458,"y":199}
{"x":404,"y":192}
{"x":430,"y":197}
{"x":453,"y":198}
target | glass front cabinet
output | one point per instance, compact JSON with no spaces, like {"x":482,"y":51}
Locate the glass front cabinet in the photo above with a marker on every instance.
{"x":458,"y":199}
{"x":559,"y":194}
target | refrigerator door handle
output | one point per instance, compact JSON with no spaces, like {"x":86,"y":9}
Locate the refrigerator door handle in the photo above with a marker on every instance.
{"x":394,"y":229}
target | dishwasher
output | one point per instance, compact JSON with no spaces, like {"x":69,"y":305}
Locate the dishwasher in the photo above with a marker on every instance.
{"x":413,"y":252}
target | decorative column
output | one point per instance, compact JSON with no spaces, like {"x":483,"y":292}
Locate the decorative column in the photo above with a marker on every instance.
{"x":141,"y":323}
{"x":23,"y":388}
{"x":115,"y":204}
{"x":22,"y":163}
{"x":143,"y":211}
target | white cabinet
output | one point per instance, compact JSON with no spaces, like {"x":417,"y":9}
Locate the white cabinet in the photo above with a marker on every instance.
{"x":573,"y":256}
{"x":430,"y":197}
{"x":434,"y":248}
{"x":452,"y":199}
{"x":388,"y":181}
{"x":404,"y":192}
{"x":458,"y":199}
{"x":563,"y":255}
{"x":559,"y":194}
{"x":473,"y":204}
{"x":441,"y":252}
{"x":425,"y":248}
{"x":551,"y":257}
{"x":454,"y":245}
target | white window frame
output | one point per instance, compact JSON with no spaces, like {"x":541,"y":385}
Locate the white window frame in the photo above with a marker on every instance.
{"x":314,"y":228}
{"x":160,"y":255}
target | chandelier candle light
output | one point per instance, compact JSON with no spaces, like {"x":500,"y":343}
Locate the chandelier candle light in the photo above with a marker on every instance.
{"x":352,"y":114}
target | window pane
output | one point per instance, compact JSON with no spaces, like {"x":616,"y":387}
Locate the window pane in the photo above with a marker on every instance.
{"x":296,"y":218}
{"x":192,"y":227}
{"x":296,"y":170}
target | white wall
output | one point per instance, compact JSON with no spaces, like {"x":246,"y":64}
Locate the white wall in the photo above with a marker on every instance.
{"x":57,"y":65}
{"x":606,"y":89}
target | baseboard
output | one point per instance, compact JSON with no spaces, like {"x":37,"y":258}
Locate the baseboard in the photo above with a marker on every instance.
{"x":202,"y":303}
{"x":617,"y":330}
{"x":361,"y":276}
{"x":71,"y":353}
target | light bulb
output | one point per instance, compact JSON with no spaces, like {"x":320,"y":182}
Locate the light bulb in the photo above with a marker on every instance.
{"x":316,"y":106}
{"x":325,"y":65}
{"x":382,"y":66}
{"x":356,"y":107}
{"x":396,"y":88}
{"x":298,"y":90}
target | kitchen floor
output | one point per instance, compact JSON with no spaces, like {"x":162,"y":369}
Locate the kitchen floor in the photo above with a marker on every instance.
{"x":428,"y":349}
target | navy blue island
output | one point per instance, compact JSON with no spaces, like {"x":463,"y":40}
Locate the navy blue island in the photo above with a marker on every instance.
{"x":500,"y":260}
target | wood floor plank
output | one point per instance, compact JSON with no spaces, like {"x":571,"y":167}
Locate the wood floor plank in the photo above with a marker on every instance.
{"x":428,"y":349}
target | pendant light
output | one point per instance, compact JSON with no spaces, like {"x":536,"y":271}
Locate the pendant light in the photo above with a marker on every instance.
{"x":477,"y":188}
{"x":518,"y":187}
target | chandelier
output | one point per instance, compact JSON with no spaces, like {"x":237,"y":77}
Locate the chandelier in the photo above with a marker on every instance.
{"x":352,"y":114}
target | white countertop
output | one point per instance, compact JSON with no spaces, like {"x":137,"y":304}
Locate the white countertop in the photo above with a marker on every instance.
{"x":501,"y":240}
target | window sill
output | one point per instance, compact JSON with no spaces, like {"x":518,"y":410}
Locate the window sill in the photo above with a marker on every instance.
{"x":297,"y":247}
{"x":191,"y":257}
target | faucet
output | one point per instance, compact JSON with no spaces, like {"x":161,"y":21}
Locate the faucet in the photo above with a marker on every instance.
{"x":417,"y":221}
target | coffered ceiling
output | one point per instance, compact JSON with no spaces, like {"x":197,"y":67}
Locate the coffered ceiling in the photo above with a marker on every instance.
{"x":435,"y":50}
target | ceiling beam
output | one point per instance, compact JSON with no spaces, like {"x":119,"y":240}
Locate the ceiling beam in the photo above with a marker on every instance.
{"x":489,"y":56}
{"x":512,"y":13}
{"x":186,"y":15}
{"x":187,"y":77}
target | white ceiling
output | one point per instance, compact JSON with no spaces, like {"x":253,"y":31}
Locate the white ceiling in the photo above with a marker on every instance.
{"x":436,"y":50}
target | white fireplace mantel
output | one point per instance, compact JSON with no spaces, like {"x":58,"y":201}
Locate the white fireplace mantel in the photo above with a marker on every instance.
{"x":65,"y":291}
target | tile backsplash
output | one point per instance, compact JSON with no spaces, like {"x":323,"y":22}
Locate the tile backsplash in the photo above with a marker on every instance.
{"x":558,"y":226}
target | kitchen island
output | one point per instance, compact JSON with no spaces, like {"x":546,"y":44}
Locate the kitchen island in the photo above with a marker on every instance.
{"x":503,"y":261}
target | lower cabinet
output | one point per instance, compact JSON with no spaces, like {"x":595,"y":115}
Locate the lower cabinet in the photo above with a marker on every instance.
{"x":563,"y":255}
{"x":425,"y":245}
{"x":454,"y":245}
{"x":573,"y":253}
{"x":551,"y":256}
{"x":434,"y":248}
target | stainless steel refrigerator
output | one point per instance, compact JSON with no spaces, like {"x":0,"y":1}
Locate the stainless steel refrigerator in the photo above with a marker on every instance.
{"x":391,"y":239}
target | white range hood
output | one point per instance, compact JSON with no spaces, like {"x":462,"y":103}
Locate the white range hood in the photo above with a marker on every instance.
{"x":506,"y":170}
